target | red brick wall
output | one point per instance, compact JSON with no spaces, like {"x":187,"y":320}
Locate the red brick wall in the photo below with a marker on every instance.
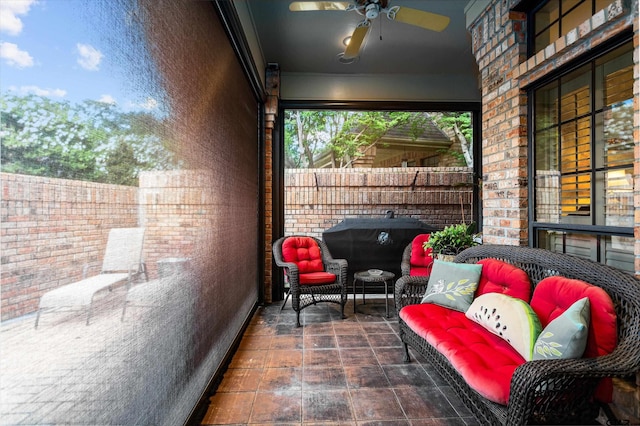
{"x":177,"y":212}
{"x":499,"y":45}
{"x":51,"y":229}
{"x":317,"y":199}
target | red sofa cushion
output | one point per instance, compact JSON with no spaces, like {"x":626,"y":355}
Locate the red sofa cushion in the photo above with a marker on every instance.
{"x":304,"y":252}
{"x":554,"y":295}
{"x":485,"y":361}
{"x":502,"y":277}
{"x":421,"y":260}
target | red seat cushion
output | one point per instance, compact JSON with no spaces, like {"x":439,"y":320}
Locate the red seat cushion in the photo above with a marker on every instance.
{"x":421,"y":260}
{"x":316,"y":278}
{"x":485,"y":361}
{"x":502,"y":277}
{"x":304,"y":252}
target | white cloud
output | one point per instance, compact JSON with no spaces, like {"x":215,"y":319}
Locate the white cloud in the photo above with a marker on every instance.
{"x":89,"y":57}
{"x":107,"y":99}
{"x":148,"y":104}
{"x":15,"y":57}
{"x":9,"y":10}
{"x":50,"y":93}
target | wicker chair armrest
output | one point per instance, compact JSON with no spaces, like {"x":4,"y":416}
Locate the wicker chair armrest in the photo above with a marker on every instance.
{"x":339,"y":267}
{"x":336,"y":266}
{"x":409,"y":290}
{"x":405,"y":264}
{"x":290,"y":267}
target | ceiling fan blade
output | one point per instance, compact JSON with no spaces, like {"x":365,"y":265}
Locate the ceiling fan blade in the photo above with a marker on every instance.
{"x":304,"y":6}
{"x":420,"y":18}
{"x":358,"y":36}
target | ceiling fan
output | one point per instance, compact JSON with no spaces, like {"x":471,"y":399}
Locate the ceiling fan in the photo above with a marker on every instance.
{"x":371,"y":9}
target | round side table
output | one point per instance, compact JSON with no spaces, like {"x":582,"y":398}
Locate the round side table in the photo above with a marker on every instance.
{"x":366,"y":278}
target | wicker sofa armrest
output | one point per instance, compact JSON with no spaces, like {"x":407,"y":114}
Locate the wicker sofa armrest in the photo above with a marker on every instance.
{"x":409,"y":290}
{"x":536,"y":385}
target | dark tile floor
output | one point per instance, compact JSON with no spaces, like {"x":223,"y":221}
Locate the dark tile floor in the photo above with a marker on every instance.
{"x":330,"y":371}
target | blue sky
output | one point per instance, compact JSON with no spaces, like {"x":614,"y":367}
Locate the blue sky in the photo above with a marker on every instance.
{"x":59,"y":49}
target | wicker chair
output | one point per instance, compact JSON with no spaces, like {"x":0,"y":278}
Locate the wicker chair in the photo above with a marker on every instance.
{"x":549,"y":391}
{"x":313,"y":274}
{"x":415,"y":260}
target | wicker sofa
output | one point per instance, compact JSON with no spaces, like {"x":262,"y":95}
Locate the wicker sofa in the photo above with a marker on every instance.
{"x":559,"y":391}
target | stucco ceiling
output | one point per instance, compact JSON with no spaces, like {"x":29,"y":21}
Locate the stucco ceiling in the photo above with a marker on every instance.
{"x":308,"y":44}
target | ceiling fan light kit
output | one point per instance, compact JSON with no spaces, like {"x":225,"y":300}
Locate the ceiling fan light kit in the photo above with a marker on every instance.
{"x":371,"y":9}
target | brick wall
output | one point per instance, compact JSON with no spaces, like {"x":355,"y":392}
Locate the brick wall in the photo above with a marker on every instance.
{"x":176,"y":208}
{"x":51,"y":229}
{"x":54,"y":229}
{"x":317,"y":199}
{"x":499,"y":45}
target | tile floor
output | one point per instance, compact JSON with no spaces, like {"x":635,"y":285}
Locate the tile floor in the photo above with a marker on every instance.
{"x":330,"y":371}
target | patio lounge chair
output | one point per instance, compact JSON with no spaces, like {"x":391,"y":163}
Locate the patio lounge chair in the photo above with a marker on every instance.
{"x":122,"y":261}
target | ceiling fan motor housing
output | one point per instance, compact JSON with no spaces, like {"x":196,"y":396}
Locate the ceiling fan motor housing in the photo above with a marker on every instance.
{"x":372,"y":11}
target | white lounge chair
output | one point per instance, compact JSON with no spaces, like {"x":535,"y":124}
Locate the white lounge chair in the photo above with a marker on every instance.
{"x":122,"y":261}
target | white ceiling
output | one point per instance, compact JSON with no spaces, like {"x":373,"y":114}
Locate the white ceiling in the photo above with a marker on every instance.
{"x":398,"y":62}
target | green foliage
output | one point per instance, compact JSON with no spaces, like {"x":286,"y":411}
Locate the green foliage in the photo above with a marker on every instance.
{"x":345,"y":134}
{"x":121,"y":165}
{"x":82,"y":141}
{"x":460,"y":126}
{"x":452,"y":239}
{"x":363,"y":129}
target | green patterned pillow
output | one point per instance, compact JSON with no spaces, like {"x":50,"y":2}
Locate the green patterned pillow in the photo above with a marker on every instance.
{"x":566,"y":336}
{"x":452,"y":285}
{"x":508,"y":317}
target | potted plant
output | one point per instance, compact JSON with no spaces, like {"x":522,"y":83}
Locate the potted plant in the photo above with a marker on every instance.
{"x":450,"y":241}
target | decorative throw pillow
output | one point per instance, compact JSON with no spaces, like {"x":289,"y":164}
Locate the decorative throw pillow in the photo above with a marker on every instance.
{"x":508,"y":317}
{"x":452,"y":284}
{"x":566,"y":336}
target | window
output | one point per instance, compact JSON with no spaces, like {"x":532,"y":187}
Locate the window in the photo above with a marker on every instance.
{"x":556,"y":18}
{"x":583,"y":158}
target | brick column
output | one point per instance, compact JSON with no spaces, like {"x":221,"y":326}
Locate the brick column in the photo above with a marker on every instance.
{"x":271,"y":114}
{"x":499,"y":46}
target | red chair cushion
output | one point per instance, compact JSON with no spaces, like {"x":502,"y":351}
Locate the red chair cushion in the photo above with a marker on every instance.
{"x":485,"y":361}
{"x":421,"y":260}
{"x":315,"y":278}
{"x":502,"y":277}
{"x":419,"y":271}
{"x":304,"y":252}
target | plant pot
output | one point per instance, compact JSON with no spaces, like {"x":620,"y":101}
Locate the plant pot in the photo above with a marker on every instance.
{"x":445,"y":257}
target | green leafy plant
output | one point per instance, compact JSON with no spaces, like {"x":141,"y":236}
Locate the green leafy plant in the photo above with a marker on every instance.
{"x":452,"y":239}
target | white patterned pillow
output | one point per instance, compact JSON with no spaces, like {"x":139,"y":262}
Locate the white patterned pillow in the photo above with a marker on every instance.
{"x":508,"y":317}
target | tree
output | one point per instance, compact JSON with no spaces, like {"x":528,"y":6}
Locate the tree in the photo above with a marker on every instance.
{"x":122,"y":165}
{"x":365,"y":129}
{"x":83,"y":141}
{"x":46,"y":138}
{"x":345,"y":134}
{"x":458,"y":123}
